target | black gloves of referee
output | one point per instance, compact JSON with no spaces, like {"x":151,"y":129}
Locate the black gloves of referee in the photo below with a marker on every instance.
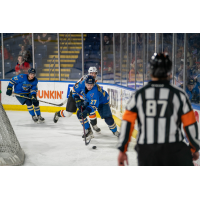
{"x":34,"y":98}
{"x":9,"y":91}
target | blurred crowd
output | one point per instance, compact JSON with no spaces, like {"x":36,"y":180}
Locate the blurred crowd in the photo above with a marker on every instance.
{"x":18,"y":52}
{"x":18,"y":56}
{"x":192,"y":72}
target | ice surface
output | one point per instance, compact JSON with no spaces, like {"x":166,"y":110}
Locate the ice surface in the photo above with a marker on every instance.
{"x":61,"y":144}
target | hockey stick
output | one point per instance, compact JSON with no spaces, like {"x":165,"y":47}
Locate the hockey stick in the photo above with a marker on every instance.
{"x":86,"y":143}
{"x":15,"y":94}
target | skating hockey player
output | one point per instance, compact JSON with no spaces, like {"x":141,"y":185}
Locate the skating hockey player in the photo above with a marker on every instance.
{"x":95,"y":98}
{"x":26,"y":85}
{"x":72,"y":104}
{"x":160,"y":109}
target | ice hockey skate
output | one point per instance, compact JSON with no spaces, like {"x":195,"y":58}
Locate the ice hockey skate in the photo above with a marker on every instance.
{"x":96,"y":128}
{"x":40,"y":119}
{"x":116,"y":133}
{"x":35,"y":119}
{"x":56,"y":117}
{"x":89,"y":134}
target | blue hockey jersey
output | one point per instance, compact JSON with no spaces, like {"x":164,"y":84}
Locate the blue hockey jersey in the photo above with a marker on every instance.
{"x":22,"y":85}
{"x":194,"y":95}
{"x":94,"y":97}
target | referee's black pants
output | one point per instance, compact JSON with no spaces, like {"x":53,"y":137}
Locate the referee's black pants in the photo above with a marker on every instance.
{"x":171,"y":154}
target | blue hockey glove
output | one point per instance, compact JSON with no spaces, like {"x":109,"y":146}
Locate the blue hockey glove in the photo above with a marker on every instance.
{"x":85,"y":105}
{"x":9,"y":91}
{"x":84,"y":114}
{"x":34,"y":98}
{"x":79,"y":102}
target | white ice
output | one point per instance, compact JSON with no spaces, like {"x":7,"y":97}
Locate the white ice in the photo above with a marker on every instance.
{"x":61,"y":143}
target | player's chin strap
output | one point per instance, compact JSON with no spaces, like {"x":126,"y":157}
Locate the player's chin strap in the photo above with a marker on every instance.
{"x":86,"y":143}
{"x":61,"y":104}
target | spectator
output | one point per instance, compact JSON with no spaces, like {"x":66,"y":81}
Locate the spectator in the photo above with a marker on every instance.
{"x":7,"y":55}
{"x":107,"y":44}
{"x":21,"y":67}
{"x":192,"y":91}
{"x":107,"y":65}
{"x":44,"y":38}
{"x":23,"y":52}
{"x":194,"y":70}
{"x":27,"y":39}
{"x":139,"y":76}
{"x":28,"y":57}
{"x":197,"y":73}
{"x":188,"y":75}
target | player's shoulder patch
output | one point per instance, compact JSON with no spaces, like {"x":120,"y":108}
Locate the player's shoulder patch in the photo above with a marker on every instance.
{"x":15,"y":78}
{"x":92,"y":95}
{"x":21,"y":76}
{"x":76,"y":85}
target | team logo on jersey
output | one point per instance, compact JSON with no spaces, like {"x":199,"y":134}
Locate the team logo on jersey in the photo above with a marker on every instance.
{"x":92,"y":95}
{"x":15,"y":78}
{"x":25,"y":88}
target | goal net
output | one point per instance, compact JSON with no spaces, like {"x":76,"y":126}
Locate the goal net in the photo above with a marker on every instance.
{"x":11,"y":152}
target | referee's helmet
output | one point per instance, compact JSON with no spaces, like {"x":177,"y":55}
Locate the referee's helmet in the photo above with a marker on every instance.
{"x":160,"y":65}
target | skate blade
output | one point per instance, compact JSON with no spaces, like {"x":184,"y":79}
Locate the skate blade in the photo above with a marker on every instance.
{"x":97,"y":131}
{"x":40,"y":122}
{"x":55,"y":119}
{"x":88,"y":138}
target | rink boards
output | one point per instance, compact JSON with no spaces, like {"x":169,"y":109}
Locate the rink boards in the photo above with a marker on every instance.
{"x":57,"y":92}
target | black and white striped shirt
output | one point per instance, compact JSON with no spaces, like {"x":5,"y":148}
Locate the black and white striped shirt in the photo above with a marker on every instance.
{"x":160,"y":109}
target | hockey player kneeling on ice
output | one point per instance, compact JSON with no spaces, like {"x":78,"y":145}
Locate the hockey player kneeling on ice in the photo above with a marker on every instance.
{"x":26,"y":85}
{"x":72,"y":104}
{"x":95,"y":98}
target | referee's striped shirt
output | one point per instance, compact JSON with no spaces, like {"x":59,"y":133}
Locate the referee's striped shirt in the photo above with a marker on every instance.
{"x":160,"y":109}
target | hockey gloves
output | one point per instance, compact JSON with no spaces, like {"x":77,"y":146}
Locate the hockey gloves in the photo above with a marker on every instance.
{"x":9,"y":91}
{"x":84,"y":114}
{"x":79,"y":102}
{"x":34,"y":98}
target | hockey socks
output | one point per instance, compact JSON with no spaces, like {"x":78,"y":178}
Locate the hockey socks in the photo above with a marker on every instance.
{"x":31,"y":110}
{"x":113,"y":127}
{"x":87,"y":125}
{"x":64,"y":113}
{"x":111,"y":124}
{"x":37,"y":110}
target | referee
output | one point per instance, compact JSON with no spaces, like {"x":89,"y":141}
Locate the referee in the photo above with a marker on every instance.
{"x":160,"y":109}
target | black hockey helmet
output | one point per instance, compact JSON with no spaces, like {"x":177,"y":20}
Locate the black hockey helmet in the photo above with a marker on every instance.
{"x":160,"y":65}
{"x":31,"y":71}
{"x":191,"y":81}
{"x":90,"y":79}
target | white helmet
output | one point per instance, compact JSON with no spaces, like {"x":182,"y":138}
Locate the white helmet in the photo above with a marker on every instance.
{"x":92,"y":69}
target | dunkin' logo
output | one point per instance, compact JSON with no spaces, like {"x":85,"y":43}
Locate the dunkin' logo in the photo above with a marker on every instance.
{"x":48,"y":94}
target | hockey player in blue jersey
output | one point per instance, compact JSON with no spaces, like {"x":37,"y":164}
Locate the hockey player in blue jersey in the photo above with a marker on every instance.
{"x":72,"y":107}
{"x":26,"y":85}
{"x":95,"y":98}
